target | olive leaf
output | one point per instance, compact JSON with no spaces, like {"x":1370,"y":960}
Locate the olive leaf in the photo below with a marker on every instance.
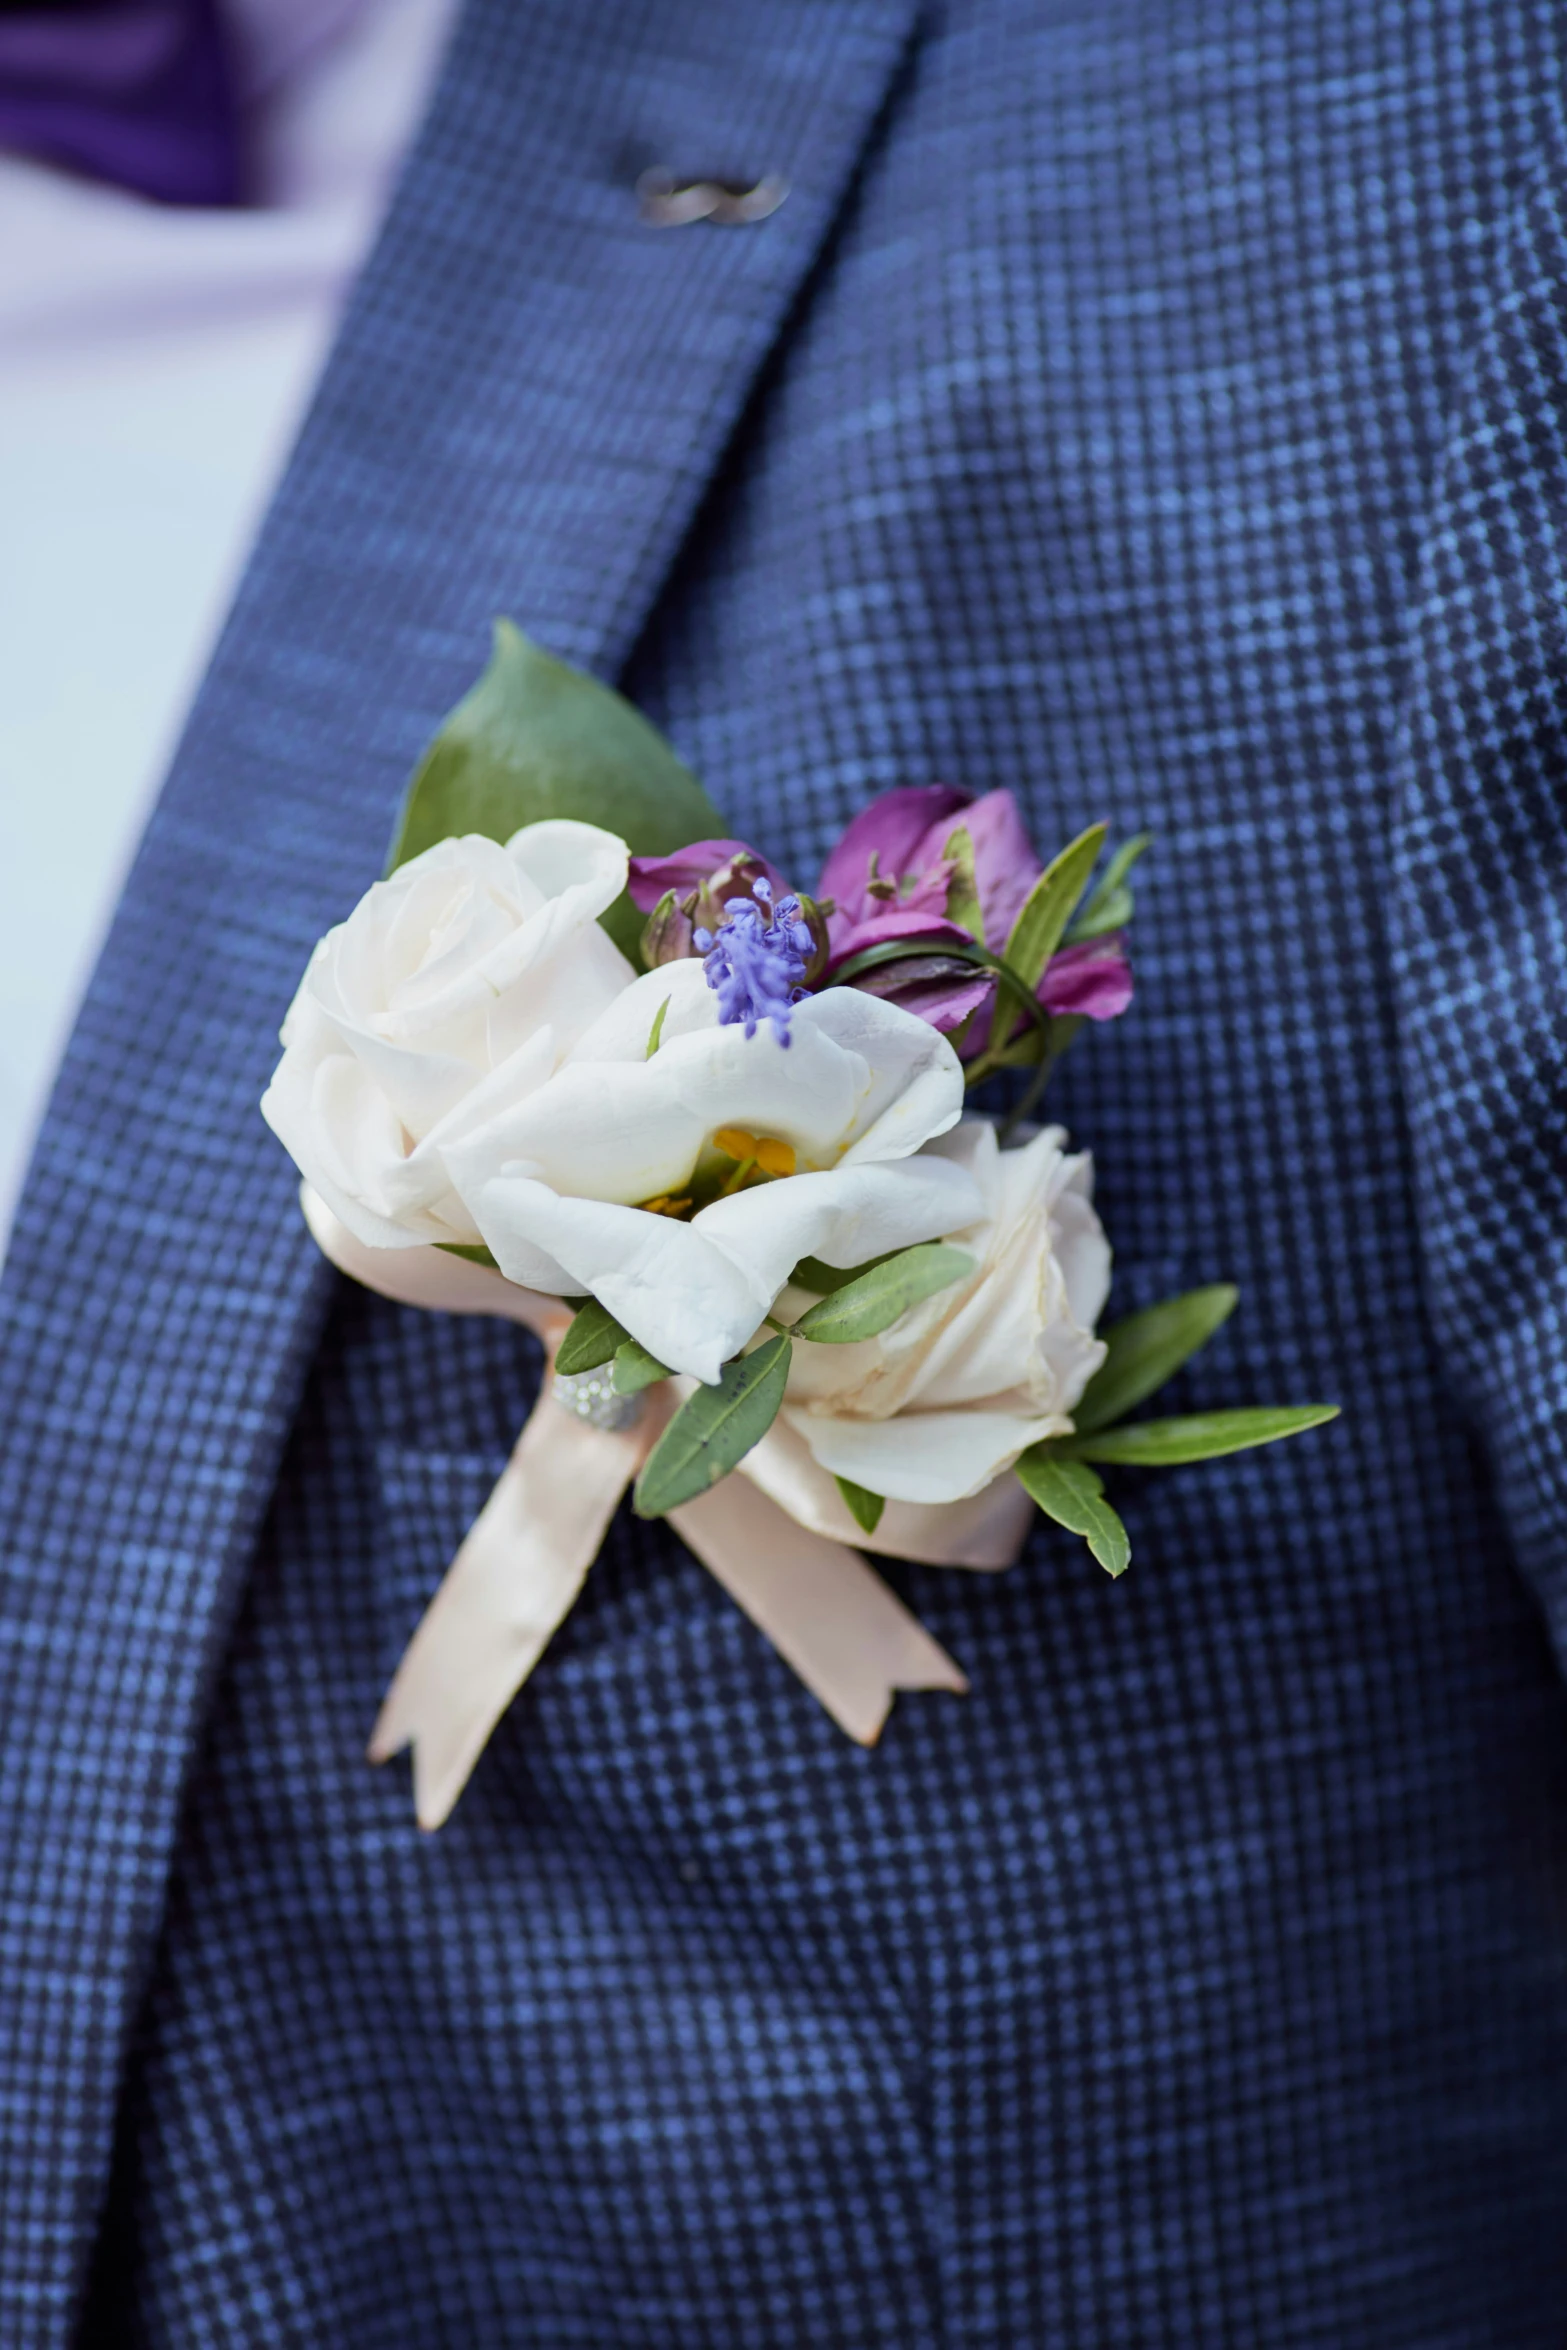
{"x":1111,"y":906}
{"x":536,"y":738}
{"x":863,"y":1506}
{"x":811,"y":1273}
{"x":1041,"y":921}
{"x":1148,"y":1348}
{"x":875,"y":1299}
{"x":714,"y":1429}
{"x":635,"y":1368}
{"x":594,"y":1337}
{"x":475,"y":1252}
{"x":1072,"y":1494}
{"x":1198,"y":1436}
{"x":656,"y":1032}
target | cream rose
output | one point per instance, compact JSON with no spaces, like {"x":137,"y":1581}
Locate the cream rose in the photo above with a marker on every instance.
{"x":944,"y":1401}
{"x":458,"y":983}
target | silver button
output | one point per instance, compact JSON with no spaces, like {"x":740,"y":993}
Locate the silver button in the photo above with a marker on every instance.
{"x":666,"y":201}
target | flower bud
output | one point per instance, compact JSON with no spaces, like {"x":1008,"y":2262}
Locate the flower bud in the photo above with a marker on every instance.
{"x":735,"y":878}
{"x":666,"y":934}
{"x":815,"y":920}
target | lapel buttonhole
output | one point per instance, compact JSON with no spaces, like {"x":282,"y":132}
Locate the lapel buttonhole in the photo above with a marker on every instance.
{"x":664,"y":200}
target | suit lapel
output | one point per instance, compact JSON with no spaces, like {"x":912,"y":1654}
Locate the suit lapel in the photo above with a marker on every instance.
{"x":527,"y":401}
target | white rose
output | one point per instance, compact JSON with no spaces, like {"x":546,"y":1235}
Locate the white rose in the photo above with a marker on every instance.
{"x":944,"y":1401}
{"x":461,"y":981}
{"x":605,"y":1175}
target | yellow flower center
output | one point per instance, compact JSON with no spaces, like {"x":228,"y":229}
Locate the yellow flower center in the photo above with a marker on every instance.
{"x":760,"y":1150}
{"x":758,"y":1158}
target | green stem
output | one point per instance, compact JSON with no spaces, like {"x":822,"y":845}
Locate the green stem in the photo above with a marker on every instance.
{"x":1028,"y":1100}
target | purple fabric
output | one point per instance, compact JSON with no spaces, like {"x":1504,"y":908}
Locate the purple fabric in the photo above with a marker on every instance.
{"x":137,"y":92}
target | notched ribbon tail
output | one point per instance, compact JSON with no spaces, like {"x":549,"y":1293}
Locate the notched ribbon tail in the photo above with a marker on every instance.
{"x":850,"y":1639}
{"x":506,"y":1593}
{"x":828,"y":1613}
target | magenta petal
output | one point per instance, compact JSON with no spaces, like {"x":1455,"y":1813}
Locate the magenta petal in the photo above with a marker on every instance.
{"x":927,"y":893}
{"x":890,"y":828}
{"x":1092,"y":980}
{"x":884,"y":923}
{"x":947,"y":1004}
{"x":942,"y":996}
{"x":688,"y":869}
{"x":1005,"y":866}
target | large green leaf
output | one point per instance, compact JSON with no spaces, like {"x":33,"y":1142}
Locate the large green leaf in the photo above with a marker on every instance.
{"x":537,"y":738}
{"x":1071,"y":1493}
{"x":1043,"y":918}
{"x":1148,"y":1348}
{"x":714,"y":1429}
{"x":593,"y":1338}
{"x":1200,"y":1436}
{"x":875,"y":1300}
{"x":863,"y":1506}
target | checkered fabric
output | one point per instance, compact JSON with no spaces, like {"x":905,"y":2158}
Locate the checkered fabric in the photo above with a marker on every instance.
{"x":1161,"y":410}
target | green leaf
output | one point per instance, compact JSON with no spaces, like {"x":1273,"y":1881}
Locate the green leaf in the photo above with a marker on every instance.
{"x":862,"y":1307}
{"x":1111,"y":906}
{"x":1073,"y":1495}
{"x":476,"y":1255}
{"x":1038,"y":930}
{"x":1148,"y":1348}
{"x":635,"y":1369}
{"x":657,"y":1029}
{"x":811,"y":1273}
{"x":963,"y":906}
{"x":863,"y":1506}
{"x":714,"y":1429}
{"x":594,"y":1337}
{"x":537,"y":738}
{"x":1200,"y":1436}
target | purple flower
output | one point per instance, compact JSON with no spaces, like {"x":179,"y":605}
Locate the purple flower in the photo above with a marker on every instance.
{"x":756,"y":967}
{"x":891,"y":874}
{"x":895,"y":876}
{"x":694,"y":889}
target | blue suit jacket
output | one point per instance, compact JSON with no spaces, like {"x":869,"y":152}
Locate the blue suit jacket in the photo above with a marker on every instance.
{"x":1159,"y":409}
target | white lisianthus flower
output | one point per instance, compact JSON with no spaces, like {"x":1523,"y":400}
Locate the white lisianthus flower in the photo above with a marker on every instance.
{"x":629,"y":1174}
{"x":461,"y":981}
{"x":944,"y":1401}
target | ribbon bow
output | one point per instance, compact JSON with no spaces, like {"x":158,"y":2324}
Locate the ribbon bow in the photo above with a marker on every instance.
{"x":760,"y":1532}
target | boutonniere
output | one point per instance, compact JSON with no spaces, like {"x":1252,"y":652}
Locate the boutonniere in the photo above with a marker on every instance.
{"x":582,"y":1061}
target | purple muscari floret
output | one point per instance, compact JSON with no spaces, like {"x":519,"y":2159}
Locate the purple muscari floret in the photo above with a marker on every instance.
{"x":755,"y":967}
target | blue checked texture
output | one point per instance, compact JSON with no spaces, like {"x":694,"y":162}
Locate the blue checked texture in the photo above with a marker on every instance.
{"x":1161,"y":410}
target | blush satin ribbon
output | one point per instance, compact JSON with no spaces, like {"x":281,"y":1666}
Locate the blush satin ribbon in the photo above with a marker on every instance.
{"x":762,"y":1533}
